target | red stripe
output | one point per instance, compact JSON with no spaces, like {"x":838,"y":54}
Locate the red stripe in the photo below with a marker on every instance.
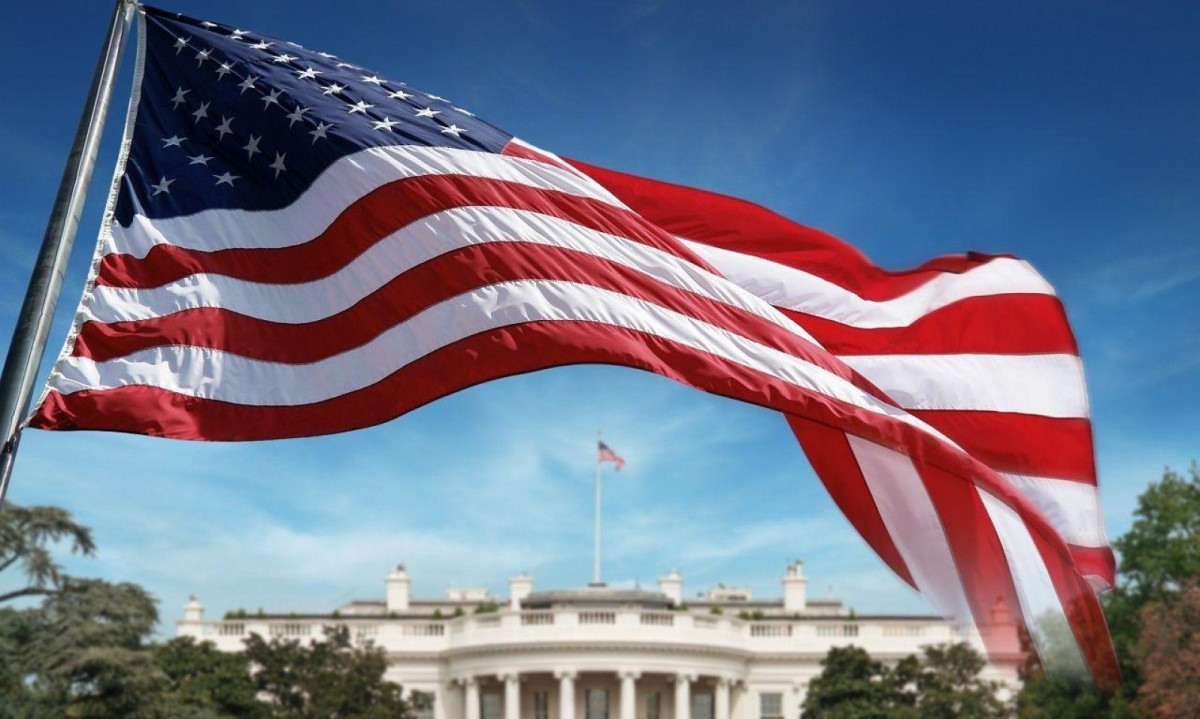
{"x":1021,"y":443}
{"x":1098,"y":562}
{"x":751,"y":229}
{"x":516,"y":149}
{"x":372,"y":218}
{"x":992,"y":324}
{"x":829,"y":452}
{"x":431,"y":282}
{"x":1084,"y":615}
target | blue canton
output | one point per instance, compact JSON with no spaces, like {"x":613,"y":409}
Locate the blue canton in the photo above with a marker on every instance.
{"x":234,"y":119}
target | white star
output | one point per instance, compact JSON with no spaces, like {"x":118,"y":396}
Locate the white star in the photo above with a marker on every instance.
{"x":360,"y":106}
{"x":284,"y":58}
{"x":334,"y":89}
{"x":435,"y":97}
{"x":309,"y":74}
{"x":271,"y":97}
{"x":374,"y":79}
{"x":327,"y":55}
{"x":200,"y":159}
{"x":428,"y":112}
{"x":224,"y":70}
{"x":297,"y":115}
{"x":277,"y":166}
{"x":201,"y":112}
{"x":453,"y":130}
{"x":400,"y":95}
{"x":173,"y":141}
{"x":178,"y":99}
{"x":237,"y":34}
{"x":319,"y":133}
{"x":465,"y":112}
{"x":226,"y":179}
{"x":224,"y":128}
{"x":248,"y":83}
{"x":346,"y":64}
{"x":385,"y":124}
{"x":251,"y":147}
{"x":164,"y":185}
{"x":208,"y":24}
{"x":202,"y":56}
{"x":261,"y":45}
{"x":181,"y":43}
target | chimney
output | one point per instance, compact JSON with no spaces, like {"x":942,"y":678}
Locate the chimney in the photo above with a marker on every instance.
{"x":672,"y":586}
{"x":795,"y":588}
{"x":193,"y":611}
{"x":519,"y":587}
{"x":397,"y":589}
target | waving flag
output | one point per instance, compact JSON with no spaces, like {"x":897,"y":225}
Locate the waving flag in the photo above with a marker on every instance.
{"x":604,"y":453}
{"x":296,"y":245}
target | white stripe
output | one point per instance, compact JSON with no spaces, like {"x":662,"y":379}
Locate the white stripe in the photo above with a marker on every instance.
{"x":913,"y":525}
{"x":423,"y":240}
{"x":1049,"y":385}
{"x":1072,"y":508}
{"x":228,"y":377}
{"x":801,"y":291}
{"x":1044,"y":615}
{"x":340,"y":185}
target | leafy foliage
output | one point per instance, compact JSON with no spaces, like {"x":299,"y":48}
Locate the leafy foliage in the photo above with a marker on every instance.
{"x":332,"y":678}
{"x":26,"y":537}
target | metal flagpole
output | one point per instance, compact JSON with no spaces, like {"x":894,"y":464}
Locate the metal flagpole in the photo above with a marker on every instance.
{"x":37,"y":311}
{"x":599,"y":465}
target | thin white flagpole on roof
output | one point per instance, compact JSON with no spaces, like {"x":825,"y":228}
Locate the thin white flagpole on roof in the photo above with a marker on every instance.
{"x":37,"y":311}
{"x":599,"y":469}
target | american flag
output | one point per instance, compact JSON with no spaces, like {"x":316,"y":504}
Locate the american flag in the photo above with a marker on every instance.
{"x":604,"y":453}
{"x":296,"y":245}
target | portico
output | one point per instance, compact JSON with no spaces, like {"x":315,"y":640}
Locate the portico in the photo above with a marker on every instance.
{"x":618,"y":693}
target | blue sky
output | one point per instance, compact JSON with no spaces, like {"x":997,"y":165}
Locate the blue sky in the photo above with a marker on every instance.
{"x":1064,"y":134}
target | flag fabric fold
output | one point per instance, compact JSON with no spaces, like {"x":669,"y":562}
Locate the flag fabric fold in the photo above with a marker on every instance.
{"x":296,"y":245}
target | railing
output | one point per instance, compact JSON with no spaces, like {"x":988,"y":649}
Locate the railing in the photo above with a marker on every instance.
{"x":597,"y":617}
{"x":581,"y":625}
{"x":432,"y":629}
{"x":771,"y":630}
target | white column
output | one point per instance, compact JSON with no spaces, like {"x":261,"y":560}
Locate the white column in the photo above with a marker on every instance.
{"x":721,"y":699}
{"x":683,"y":696}
{"x":629,"y":693}
{"x":566,"y":694}
{"x":470,"y":698}
{"x":440,"y":698}
{"x":512,"y":696}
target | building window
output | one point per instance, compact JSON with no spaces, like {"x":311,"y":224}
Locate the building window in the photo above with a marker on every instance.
{"x":597,"y":704}
{"x":653,"y":705}
{"x":491,"y":706}
{"x":770,"y":705}
{"x":541,"y":705}
{"x":702,"y":706}
{"x":422,"y":704}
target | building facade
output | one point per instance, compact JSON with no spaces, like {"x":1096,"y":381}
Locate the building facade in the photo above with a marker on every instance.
{"x":607,"y":653}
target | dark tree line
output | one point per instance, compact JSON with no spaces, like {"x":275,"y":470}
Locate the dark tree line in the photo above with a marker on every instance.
{"x":86,"y":652}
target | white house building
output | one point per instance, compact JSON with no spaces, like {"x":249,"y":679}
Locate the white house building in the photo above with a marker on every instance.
{"x":606,"y":653}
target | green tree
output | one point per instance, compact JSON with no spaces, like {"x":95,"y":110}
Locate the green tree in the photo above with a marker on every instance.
{"x":86,"y":651}
{"x":27,"y":535}
{"x":201,"y":678}
{"x":330,"y":678}
{"x":949,"y":685}
{"x":852,"y":685}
